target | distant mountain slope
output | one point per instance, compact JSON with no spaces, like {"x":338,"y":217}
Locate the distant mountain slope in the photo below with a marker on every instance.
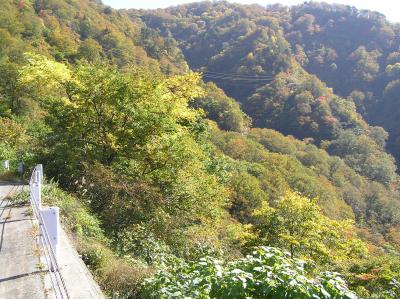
{"x":73,"y":30}
{"x":252,"y":54}
{"x":245,"y":51}
{"x":355,"y":52}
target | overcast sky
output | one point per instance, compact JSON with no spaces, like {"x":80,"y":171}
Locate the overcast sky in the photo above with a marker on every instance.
{"x":390,"y":8}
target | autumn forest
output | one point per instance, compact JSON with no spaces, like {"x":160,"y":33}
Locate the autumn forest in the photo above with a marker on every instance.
{"x":212,"y":150}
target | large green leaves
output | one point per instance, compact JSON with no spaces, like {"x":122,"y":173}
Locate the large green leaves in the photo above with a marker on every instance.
{"x":266,"y":273}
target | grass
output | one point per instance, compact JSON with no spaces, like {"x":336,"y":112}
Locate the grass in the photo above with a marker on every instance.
{"x":40,"y":266}
{"x":118,"y":277}
{"x":34,"y":231}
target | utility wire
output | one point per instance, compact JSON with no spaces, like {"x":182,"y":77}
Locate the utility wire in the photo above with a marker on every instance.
{"x":237,"y":75}
{"x":259,"y":80}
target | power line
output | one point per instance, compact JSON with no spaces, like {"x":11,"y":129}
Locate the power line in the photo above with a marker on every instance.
{"x":237,"y":75}
{"x":231,"y":78}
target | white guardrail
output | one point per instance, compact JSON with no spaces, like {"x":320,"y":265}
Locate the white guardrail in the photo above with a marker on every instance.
{"x":49,"y":226}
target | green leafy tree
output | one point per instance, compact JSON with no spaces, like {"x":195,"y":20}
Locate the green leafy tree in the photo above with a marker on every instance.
{"x":297,"y":224}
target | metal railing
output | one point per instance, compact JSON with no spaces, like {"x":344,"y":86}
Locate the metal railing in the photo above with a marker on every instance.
{"x":49,"y":232}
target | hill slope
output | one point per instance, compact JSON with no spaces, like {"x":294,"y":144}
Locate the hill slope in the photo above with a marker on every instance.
{"x":250,"y":52}
{"x":191,"y":168}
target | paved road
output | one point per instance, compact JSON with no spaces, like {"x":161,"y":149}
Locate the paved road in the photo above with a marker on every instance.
{"x":20,"y":274}
{"x":23,"y":270}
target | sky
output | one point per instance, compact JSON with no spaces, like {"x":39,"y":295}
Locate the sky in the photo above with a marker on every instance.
{"x":390,"y":8}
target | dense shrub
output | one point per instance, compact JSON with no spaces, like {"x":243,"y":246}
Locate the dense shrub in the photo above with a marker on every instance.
{"x":266,"y":273}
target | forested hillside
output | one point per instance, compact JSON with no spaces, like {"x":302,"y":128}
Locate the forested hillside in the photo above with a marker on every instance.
{"x":212,"y":150}
{"x":251,"y":45}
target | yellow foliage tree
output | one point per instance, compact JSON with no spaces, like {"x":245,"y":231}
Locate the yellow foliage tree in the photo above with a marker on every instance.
{"x":298,"y":225}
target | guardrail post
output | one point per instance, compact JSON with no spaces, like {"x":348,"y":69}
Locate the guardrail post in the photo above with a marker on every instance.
{"x":7,"y":165}
{"x":39,"y":168}
{"x":49,"y":218}
{"x":37,"y":188}
{"x":51,"y":221}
